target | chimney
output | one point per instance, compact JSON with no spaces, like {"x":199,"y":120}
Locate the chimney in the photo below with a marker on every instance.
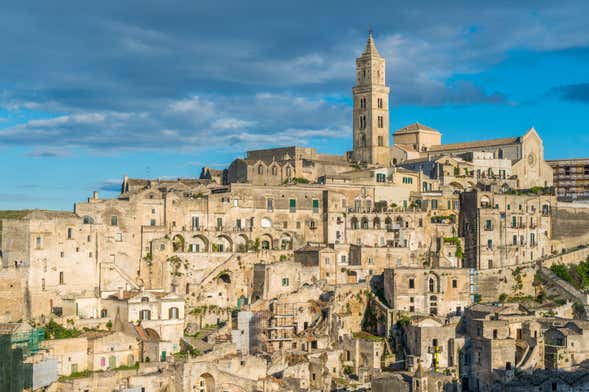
{"x":95,"y":195}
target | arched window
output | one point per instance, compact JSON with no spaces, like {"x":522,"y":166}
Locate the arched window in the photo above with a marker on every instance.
{"x":274,"y":170}
{"x":144,"y":299}
{"x":145,"y":314}
{"x":500,"y":154}
{"x":173,"y":313}
{"x":364,"y":223}
{"x":363,"y":141}
{"x":432,"y":285}
{"x":103,"y":313}
{"x":288,"y":172}
{"x":260,"y":169}
{"x":376,"y":223}
{"x":354,"y":223}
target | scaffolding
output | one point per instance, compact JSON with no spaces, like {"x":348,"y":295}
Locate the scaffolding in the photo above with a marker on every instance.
{"x":28,"y":342}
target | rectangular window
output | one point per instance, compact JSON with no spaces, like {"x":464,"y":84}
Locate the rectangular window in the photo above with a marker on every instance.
{"x":380,"y":141}
{"x":219,"y":223}
{"x":238,"y":223}
{"x":293,"y":205}
{"x":514,"y":240}
{"x":195,"y":222}
{"x":61,"y":277}
{"x":114,"y":220}
{"x":285,"y":282}
{"x":38,"y":243}
{"x":407,"y":180}
{"x":69,"y":233}
{"x":411,"y":283}
{"x":315,"y":206}
{"x":326,"y":261}
{"x":152,"y":222}
{"x":490,"y":244}
{"x":454,"y":283}
{"x":434,"y":204}
{"x":118,"y":237}
{"x":235,"y":202}
{"x":270,"y":204}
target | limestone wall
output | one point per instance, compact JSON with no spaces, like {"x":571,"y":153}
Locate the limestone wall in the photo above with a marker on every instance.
{"x":570,"y":224}
{"x":11,"y":294}
{"x":513,"y":281}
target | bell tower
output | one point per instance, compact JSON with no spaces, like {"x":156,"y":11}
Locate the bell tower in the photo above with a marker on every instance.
{"x":371,"y":108}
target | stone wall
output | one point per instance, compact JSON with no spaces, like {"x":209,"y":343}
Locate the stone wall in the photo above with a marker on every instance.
{"x":496,"y":281}
{"x":570,"y":224}
{"x":11,"y":294}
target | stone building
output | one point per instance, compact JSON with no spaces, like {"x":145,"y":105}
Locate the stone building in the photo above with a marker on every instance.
{"x":161,"y":312}
{"x":109,"y":350}
{"x":571,"y":178}
{"x":435,"y":291}
{"x":505,"y":229}
{"x":566,"y":346}
{"x":433,"y":343}
{"x":525,"y":152}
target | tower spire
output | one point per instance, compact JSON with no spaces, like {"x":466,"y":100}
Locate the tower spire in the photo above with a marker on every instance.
{"x":371,"y":108}
{"x":370,"y":49}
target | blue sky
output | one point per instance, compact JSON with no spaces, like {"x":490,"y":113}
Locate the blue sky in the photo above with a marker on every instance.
{"x":91,"y":92}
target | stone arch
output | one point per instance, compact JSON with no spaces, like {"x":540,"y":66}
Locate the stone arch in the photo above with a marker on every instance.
{"x":223,"y":243}
{"x":224,"y":277}
{"x":266,"y":241}
{"x":241,"y":242}
{"x":433,"y":283}
{"x":471,"y":184}
{"x":485,"y":201}
{"x":178,"y":243}
{"x":88,"y":220}
{"x":205,"y":383}
{"x":354,"y":223}
{"x":364,"y":223}
{"x":152,"y":334}
{"x":376,"y":222}
{"x":200,"y":243}
{"x":456,"y":185}
{"x":285,"y":241}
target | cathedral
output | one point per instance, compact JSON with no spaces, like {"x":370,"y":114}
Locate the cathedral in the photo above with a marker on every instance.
{"x":415,"y":145}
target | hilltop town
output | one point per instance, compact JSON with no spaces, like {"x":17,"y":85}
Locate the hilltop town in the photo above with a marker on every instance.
{"x":405,"y":264}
